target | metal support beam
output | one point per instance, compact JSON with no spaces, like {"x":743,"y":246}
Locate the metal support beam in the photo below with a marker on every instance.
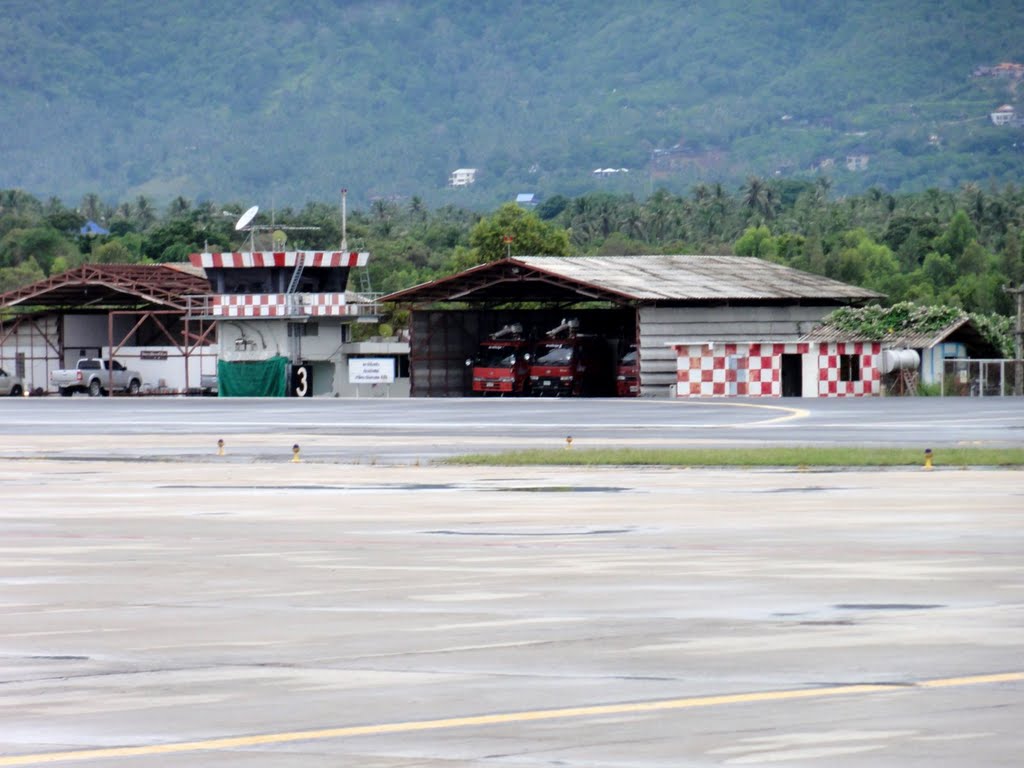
{"x":187,"y":345}
{"x":1018,"y":354}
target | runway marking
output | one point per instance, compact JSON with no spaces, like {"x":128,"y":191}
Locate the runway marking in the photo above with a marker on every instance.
{"x":234,"y":742}
{"x":185,"y":425}
{"x":792,"y":413}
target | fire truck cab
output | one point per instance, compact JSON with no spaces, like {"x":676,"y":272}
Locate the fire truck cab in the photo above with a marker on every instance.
{"x":568,"y":363}
{"x":502,"y":363}
{"x":627,"y":374}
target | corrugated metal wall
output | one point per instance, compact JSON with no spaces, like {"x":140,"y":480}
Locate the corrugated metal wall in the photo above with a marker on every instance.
{"x":439,"y":343}
{"x":660,"y":327}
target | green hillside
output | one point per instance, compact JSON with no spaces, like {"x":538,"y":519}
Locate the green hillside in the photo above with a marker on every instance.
{"x":279,"y":102}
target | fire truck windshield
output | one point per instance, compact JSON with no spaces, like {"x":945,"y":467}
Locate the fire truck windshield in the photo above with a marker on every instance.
{"x":553,"y":354}
{"x":496,"y":357}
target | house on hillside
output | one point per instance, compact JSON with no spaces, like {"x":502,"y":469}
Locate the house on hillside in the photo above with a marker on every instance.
{"x":857,"y":162}
{"x":1005,"y":115}
{"x":684,"y":157}
{"x":462,"y":177}
{"x":1006,"y":69}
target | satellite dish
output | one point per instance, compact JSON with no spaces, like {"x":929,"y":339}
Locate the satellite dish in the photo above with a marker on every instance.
{"x":246,"y":218}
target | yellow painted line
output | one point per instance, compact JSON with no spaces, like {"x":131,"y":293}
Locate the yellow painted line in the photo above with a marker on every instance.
{"x":791,"y":413}
{"x":599,"y":710}
{"x":949,"y":682}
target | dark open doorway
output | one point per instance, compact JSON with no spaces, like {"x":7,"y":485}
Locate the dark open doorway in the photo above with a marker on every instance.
{"x":792,"y":376}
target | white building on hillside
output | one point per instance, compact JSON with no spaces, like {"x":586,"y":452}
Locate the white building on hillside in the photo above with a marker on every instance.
{"x":462,"y":177}
{"x":1004,"y":115}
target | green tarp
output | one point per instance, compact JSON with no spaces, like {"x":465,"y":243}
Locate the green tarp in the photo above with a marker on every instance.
{"x":261,"y":378}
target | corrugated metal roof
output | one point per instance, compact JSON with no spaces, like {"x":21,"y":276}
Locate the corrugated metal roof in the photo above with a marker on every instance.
{"x":907,"y":338}
{"x":111,"y":286}
{"x":696,"y":277}
{"x":635,"y":279}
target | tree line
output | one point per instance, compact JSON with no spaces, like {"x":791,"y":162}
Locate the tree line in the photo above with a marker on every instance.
{"x":950,"y":248}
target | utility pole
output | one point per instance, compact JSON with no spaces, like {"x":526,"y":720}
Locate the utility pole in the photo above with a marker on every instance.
{"x":344,"y":216}
{"x":1018,"y":365}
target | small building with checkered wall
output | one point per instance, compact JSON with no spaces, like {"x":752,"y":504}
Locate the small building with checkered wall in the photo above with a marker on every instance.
{"x":778,"y":369}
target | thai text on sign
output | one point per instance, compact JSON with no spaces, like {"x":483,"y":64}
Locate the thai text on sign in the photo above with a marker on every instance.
{"x":371,"y":370}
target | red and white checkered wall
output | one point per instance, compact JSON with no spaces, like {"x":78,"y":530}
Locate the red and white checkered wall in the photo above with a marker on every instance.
{"x":755,"y":369}
{"x":279,"y":305}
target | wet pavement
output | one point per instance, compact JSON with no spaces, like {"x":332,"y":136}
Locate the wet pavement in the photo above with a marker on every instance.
{"x":270,"y":613}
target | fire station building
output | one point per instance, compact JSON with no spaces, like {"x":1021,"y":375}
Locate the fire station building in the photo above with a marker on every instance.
{"x":701,"y":325}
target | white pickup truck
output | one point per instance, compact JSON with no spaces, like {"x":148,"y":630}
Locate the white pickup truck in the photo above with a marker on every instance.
{"x":11,"y":385}
{"x":97,"y":377}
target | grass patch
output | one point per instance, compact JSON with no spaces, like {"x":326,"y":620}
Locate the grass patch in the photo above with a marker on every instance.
{"x":748,"y":457}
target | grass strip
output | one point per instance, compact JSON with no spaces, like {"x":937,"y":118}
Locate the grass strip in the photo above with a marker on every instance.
{"x":797,"y":456}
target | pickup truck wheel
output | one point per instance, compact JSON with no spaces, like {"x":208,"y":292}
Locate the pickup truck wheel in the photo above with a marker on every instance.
{"x":134,"y":386}
{"x":95,"y":388}
{"x":16,"y":391}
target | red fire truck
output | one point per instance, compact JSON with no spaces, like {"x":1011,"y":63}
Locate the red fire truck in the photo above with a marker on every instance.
{"x":570,"y":363}
{"x":627,"y":375}
{"x":502,"y":363}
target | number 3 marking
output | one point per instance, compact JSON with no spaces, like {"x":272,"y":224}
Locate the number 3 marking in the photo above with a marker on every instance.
{"x":302,"y":385}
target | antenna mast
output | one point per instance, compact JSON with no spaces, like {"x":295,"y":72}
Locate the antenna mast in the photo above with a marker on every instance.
{"x":344,"y":238}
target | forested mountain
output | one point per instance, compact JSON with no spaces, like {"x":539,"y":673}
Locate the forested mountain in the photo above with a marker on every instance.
{"x":272,"y":101}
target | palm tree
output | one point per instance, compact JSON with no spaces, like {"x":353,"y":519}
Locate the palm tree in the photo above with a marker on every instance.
{"x":144,"y":215}
{"x":632,"y":223}
{"x":179,"y":207}
{"x":207,"y":209}
{"x":759,"y":197}
{"x":701,"y":208}
{"x":822,"y":185}
{"x":972,"y":200}
{"x":662,"y":215}
{"x":720,"y":207}
{"x":92,"y":207}
{"x":417,"y":209}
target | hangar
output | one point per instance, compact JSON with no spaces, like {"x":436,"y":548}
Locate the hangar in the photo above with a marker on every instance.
{"x":135,"y":312}
{"x":657,"y":303}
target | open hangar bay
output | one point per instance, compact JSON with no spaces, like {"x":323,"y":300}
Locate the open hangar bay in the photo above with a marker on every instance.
{"x":164,"y":606}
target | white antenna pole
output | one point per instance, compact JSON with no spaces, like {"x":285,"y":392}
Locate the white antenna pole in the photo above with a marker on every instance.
{"x":344,"y":238}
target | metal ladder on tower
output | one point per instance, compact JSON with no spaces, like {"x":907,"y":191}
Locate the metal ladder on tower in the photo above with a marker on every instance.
{"x":300,"y":263}
{"x":367,"y":298}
